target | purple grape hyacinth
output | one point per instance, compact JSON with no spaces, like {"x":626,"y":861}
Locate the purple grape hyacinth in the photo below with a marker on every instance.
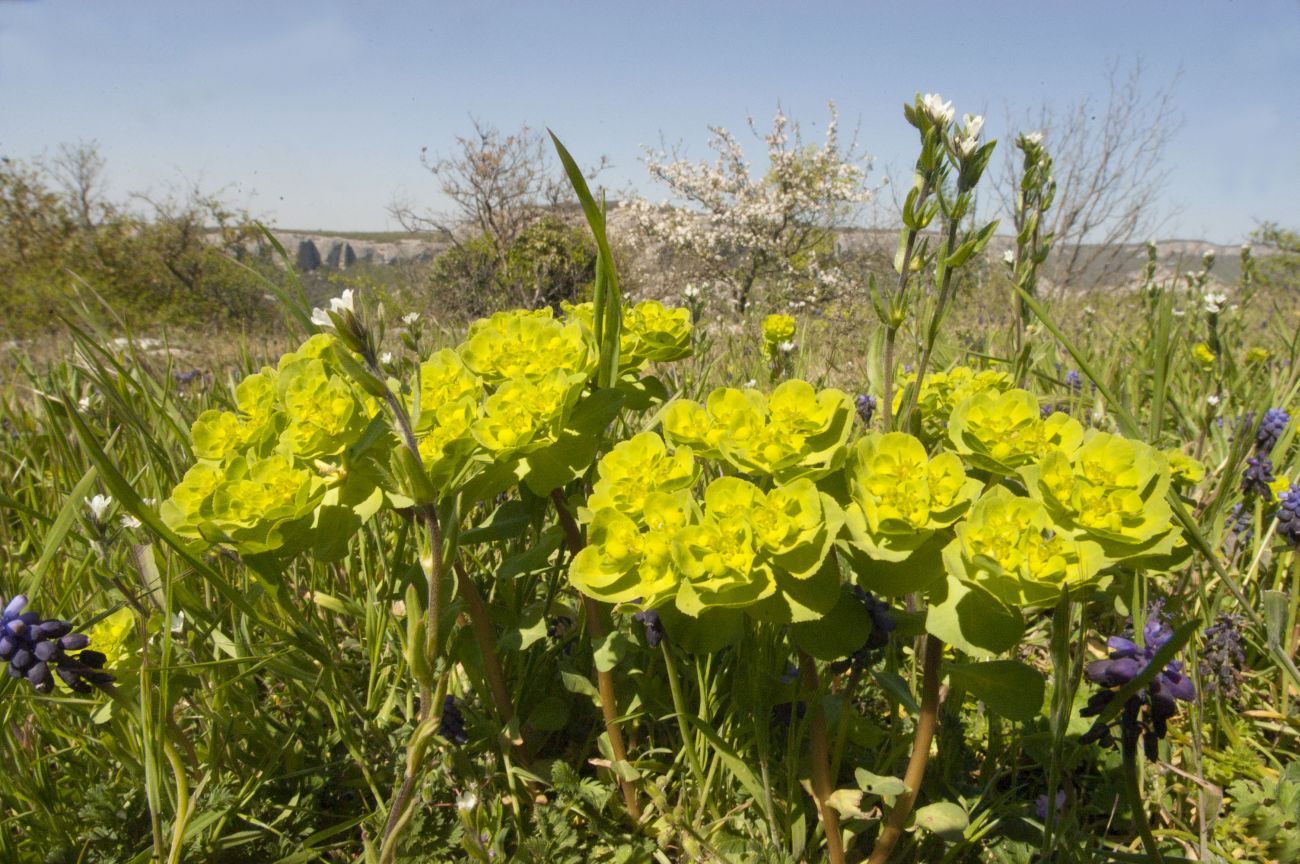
{"x":654,"y":628}
{"x":1258,"y":476}
{"x":1147,"y":713}
{"x":866,"y":405}
{"x":38,"y":649}
{"x":1288,"y":516}
{"x":1271,"y":429}
{"x":451,"y":725}
{"x":1225,"y":654}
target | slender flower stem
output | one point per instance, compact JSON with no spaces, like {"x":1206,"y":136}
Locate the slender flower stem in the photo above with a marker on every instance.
{"x":932,"y":333}
{"x":822,"y":782}
{"x":925,"y":726}
{"x":899,"y":298}
{"x":430,"y":712}
{"x":679,"y":707}
{"x":604,"y":680}
{"x":183,"y":804}
{"x":1128,"y":750}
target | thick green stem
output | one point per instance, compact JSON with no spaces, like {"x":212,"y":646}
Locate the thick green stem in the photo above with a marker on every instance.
{"x":926,"y":723}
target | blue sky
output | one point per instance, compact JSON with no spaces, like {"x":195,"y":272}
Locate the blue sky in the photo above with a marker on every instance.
{"x":313,"y":114}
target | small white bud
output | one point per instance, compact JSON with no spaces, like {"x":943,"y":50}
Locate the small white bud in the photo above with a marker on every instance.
{"x":98,"y":506}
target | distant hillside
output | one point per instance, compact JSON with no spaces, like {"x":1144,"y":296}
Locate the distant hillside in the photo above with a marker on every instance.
{"x":339,"y":250}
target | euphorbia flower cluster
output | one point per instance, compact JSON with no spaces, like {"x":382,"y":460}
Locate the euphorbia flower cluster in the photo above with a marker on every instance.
{"x":303,"y":442}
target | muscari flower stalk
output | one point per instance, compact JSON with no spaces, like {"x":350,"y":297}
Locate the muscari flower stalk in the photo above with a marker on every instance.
{"x":452,"y":723}
{"x":1288,"y":516}
{"x":654,"y":628}
{"x":1224,"y":654}
{"x":1258,"y":476}
{"x":1242,"y":522}
{"x":1073,"y":381}
{"x":38,"y":649}
{"x":1147,"y":713}
{"x":1271,"y":429}
{"x":866,"y":406}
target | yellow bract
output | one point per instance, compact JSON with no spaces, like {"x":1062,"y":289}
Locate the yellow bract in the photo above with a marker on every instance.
{"x":637,"y":467}
{"x":798,"y":431}
{"x":1111,"y":489}
{"x":778,"y":329}
{"x":527,"y":346}
{"x":1010,"y":546}
{"x":1000,"y":432}
{"x":942,"y":391}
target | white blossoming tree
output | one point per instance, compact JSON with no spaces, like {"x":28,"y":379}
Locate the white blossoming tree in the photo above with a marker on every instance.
{"x":739,"y":236}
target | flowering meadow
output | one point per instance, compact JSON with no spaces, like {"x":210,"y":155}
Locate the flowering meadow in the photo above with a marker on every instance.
{"x":626,"y":580}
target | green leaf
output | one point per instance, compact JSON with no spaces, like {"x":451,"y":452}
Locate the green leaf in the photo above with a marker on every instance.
{"x":1007,"y":687}
{"x":609,"y":651}
{"x":579,"y":684}
{"x":54,"y":535}
{"x":550,"y":715}
{"x":608,"y":311}
{"x":944,"y":819}
{"x":569,"y":457}
{"x":1275,"y":603}
{"x":970,"y":618}
{"x":843,"y":631}
{"x":530,"y":631}
{"x":894,"y":685}
{"x":507,"y":521}
{"x":712,"y":631}
{"x":878,"y":785}
{"x":535,"y":558}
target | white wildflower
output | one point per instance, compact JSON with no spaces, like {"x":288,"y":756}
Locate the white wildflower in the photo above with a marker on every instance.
{"x":1009,"y":258}
{"x":1035,"y":137}
{"x":691,"y":291}
{"x":386,"y":358}
{"x":1214,"y":302}
{"x":786,"y":347}
{"x":343,"y":303}
{"x":98,"y":506}
{"x":83,"y":404}
{"x":410,"y":318}
{"x":1212,"y":401}
{"x":940,"y":111}
{"x":973,"y":123}
{"x":130,"y":523}
{"x":967,"y":145}
{"x":752,"y":382}
{"x":1178,"y":313}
